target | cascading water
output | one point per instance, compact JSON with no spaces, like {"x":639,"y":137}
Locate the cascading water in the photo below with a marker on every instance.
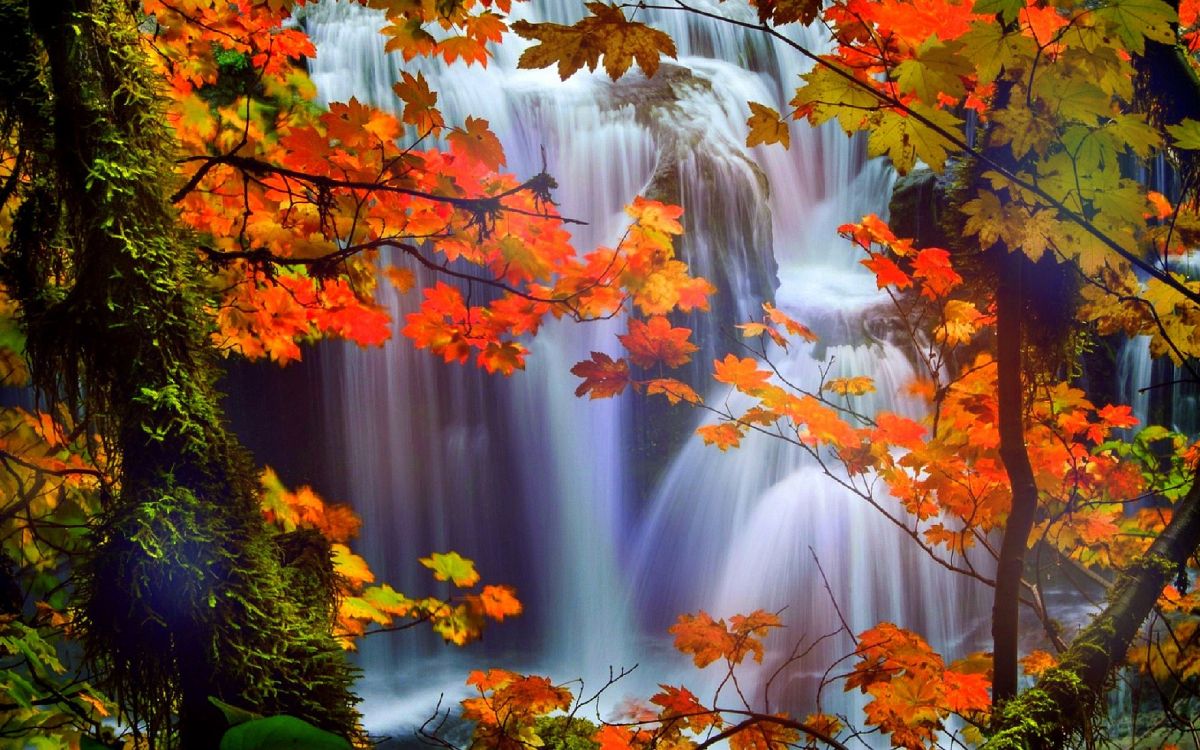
{"x":539,"y":487}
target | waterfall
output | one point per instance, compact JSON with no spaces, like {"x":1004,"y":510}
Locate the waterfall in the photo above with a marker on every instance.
{"x":607,"y":544}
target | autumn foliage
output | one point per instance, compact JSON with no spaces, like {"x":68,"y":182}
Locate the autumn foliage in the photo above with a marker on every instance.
{"x":297,"y":213}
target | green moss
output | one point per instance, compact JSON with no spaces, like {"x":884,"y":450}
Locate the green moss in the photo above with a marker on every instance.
{"x":567,"y":733}
{"x":185,"y":594}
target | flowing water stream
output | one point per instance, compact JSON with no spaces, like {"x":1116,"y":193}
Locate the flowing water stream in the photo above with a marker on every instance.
{"x":606,"y":533}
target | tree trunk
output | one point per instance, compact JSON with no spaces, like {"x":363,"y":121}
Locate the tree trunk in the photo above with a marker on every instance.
{"x":183,"y":596}
{"x":1066,"y":696}
{"x":1011,"y":563}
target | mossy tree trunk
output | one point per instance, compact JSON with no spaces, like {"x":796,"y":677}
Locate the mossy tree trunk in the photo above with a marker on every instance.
{"x":1067,"y":697}
{"x":183,"y":596}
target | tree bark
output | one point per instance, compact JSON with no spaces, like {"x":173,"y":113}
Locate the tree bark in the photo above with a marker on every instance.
{"x":1011,"y":563}
{"x":1064,"y":697}
{"x":183,"y":596}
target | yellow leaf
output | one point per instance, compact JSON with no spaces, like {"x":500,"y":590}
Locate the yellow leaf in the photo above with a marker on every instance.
{"x":350,"y":566}
{"x":959,"y":326}
{"x":827,"y":95}
{"x":904,"y":139}
{"x":855,"y":386}
{"x":766,"y":127}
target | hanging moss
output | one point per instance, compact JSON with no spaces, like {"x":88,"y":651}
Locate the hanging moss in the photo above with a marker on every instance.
{"x":185,"y":594}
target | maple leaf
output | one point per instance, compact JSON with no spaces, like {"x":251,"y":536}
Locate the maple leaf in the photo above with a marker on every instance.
{"x":492,"y":679}
{"x":959,"y":326}
{"x":499,"y":602}
{"x":853,"y":386}
{"x":503,"y":357}
{"x":676,"y":701}
{"x":938,"y":69}
{"x":904,"y":139}
{"x":466,"y":48}
{"x":704,"y":639}
{"x":475,"y":141}
{"x":966,"y":693}
{"x":887,"y":273}
{"x":1162,"y":206}
{"x":765,"y":735}
{"x":827,"y":725}
{"x":613,"y":737}
{"x":1038,"y":661}
{"x":932,"y":266}
{"x":898,"y":430}
{"x":602,"y":377}
{"x":827,"y":95}
{"x":1006,"y":9}
{"x":656,"y":215}
{"x":350,"y":566}
{"x":750,"y":330}
{"x":766,"y":127}
{"x":724,"y":435}
{"x":419,"y":103}
{"x":1134,"y":21}
{"x":788,"y":11}
{"x":402,"y":279}
{"x":450,"y":566}
{"x":1120,"y":417}
{"x":656,"y":341}
{"x":387,"y":600}
{"x":1186,"y":134}
{"x":606,"y":33}
{"x":780,"y":318}
{"x":674,"y":390}
{"x":740,"y":372}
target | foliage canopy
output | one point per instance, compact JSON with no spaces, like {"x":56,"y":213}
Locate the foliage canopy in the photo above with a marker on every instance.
{"x":170,"y":193}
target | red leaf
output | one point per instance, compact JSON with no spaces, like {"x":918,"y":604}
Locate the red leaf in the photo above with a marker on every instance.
{"x":602,"y":377}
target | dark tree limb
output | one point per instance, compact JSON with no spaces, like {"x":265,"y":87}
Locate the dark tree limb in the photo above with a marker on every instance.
{"x":1067,"y":695}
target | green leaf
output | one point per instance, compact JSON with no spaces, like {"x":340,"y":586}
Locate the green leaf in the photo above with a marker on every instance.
{"x":387,"y":599}
{"x":1137,"y":134}
{"x":450,"y":566}
{"x":281,"y":733}
{"x":1023,"y":129}
{"x":938,"y":68}
{"x":1186,"y":134}
{"x":1073,"y":98}
{"x":992,"y":50}
{"x":233,"y":714}
{"x":1007,"y":9}
{"x":1135,"y":21}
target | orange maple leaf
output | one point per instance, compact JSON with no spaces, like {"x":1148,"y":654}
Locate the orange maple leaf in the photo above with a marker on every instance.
{"x":740,"y":372}
{"x":725,"y":435}
{"x":887,"y":273}
{"x":475,"y":141}
{"x":499,"y":602}
{"x":701,"y":637}
{"x":656,"y":341}
{"x":674,"y":390}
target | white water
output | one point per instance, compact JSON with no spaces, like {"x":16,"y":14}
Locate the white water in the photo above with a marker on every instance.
{"x":541,"y":488}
